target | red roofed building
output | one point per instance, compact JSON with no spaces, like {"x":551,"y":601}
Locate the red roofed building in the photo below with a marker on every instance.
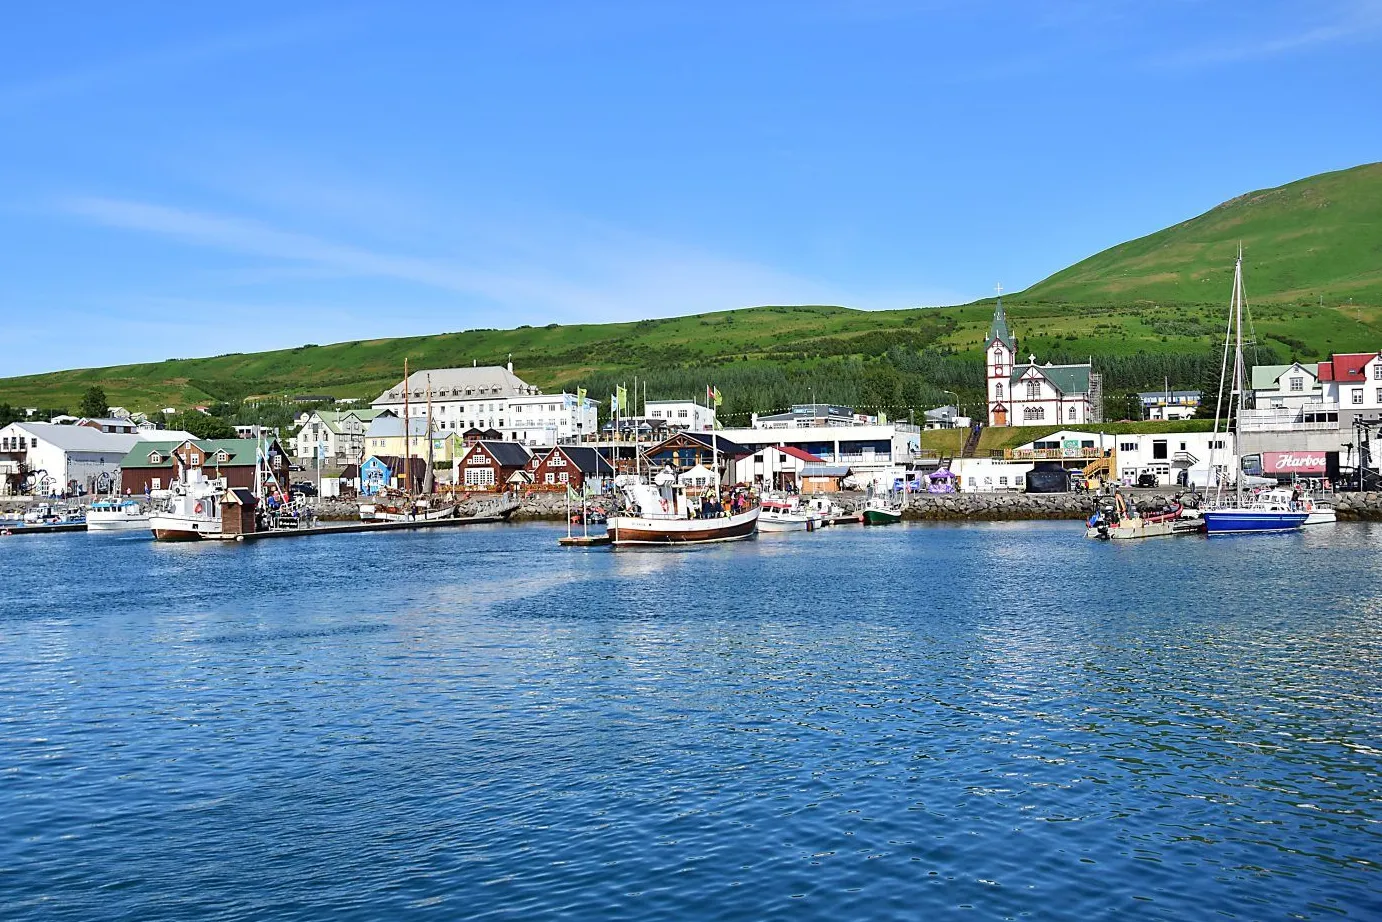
{"x":1354,"y":381}
{"x":776,"y":467}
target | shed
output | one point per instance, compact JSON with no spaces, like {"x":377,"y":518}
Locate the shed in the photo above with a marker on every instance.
{"x":238,"y":506}
{"x":823,"y":478}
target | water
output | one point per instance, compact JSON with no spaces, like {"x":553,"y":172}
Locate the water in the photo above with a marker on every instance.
{"x":984,"y":721}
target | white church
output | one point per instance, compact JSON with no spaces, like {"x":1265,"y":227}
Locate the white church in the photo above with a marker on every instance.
{"x":1032,"y":394}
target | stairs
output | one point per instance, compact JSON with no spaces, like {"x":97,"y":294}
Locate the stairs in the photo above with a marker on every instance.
{"x":972,"y":443}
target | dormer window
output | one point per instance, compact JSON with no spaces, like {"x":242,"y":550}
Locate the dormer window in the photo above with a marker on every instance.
{"x":155,"y":458}
{"x":222,"y":457}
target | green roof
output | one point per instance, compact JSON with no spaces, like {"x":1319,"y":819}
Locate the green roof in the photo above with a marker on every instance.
{"x":1264,"y":377}
{"x":998,"y":329}
{"x":240,"y":451}
{"x":332,"y":418}
{"x":1068,"y":379}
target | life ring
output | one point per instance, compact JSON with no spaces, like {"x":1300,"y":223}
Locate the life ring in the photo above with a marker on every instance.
{"x":197,"y":509}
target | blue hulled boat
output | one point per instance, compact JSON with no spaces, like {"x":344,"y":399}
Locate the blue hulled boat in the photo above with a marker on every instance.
{"x":1238,"y":521}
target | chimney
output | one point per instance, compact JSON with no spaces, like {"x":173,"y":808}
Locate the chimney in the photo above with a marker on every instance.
{"x":510,"y":363}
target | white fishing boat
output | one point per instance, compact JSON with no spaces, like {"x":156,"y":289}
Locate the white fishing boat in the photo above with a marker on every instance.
{"x":786,"y":515}
{"x":115,"y":514}
{"x":192,"y":511}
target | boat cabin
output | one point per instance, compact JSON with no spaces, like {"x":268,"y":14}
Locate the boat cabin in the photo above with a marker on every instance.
{"x":238,"y":507}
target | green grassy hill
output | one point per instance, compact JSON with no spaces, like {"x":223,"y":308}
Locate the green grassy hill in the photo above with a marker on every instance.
{"x":1314,"y":276}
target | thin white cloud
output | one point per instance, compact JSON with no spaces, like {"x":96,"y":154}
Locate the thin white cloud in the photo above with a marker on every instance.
{"x":1354,"y":22}
{"x":585,"y":272}
{"x":159,"y":62}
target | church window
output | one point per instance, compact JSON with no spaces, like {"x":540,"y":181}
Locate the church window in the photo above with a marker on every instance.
{"x":1033,"y":390}
{"x":1072,"y":412}
{"x":998,"y":390}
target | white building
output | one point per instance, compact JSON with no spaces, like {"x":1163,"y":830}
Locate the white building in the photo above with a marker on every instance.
{"x":872,"y":453}
{"x":680,"y":414}
{"x":1032,"y":394}
{"x":1167,"y":405}
{"x":479,"y":398}
{"x":339,"y":433}
{"x":810,"y":415}
{"x":461,"y":398}
{"x":777,"y":467}
{"x":1279,"y":387}
{"x":50,"y":459}
{"x":543,"y":420}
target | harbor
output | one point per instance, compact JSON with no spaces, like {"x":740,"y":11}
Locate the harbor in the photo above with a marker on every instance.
{"x":865,"y":718}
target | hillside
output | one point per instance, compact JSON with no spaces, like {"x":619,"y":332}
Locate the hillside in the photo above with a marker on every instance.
{"x":1311,"y":246}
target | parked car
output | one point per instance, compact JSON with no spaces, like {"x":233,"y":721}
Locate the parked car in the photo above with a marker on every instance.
{"x":305,"y":488}
{"x":1147,"y":479}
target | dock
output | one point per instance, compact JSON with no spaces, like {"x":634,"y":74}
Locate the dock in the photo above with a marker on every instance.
{"x":41,"y":529}
{"x":585,"y":540}
{"x":353,"y":528}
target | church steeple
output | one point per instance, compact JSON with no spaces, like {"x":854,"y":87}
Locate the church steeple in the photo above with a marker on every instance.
{"x":998,"y":330}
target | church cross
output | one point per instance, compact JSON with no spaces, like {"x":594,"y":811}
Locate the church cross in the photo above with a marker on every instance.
{"x":999,"y":288}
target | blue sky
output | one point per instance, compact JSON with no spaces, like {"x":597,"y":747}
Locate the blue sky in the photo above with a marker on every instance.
{"x":191,"y":179}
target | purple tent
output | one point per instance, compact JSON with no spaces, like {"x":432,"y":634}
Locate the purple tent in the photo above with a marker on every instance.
{"x":941,"y":481}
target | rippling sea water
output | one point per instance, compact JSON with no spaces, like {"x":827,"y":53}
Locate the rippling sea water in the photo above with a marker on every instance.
{"x":988,"y":721}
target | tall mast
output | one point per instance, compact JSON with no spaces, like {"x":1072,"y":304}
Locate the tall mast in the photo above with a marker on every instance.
{"x":407,"y":455}
{"x":428,"y":478}
{"x":1238,"y":365}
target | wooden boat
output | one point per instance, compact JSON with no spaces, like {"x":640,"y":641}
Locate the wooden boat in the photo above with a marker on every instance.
{"x":880,"y":511}
{"x":1117,"y":520}
{"x":661,"y":514}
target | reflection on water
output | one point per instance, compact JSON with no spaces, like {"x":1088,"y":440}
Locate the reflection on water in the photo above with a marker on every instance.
{"x":908,"y":722}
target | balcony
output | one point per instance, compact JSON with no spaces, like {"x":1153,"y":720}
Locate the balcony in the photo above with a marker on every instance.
{"x":1310,"y":417}
{"x":1050,"y":454}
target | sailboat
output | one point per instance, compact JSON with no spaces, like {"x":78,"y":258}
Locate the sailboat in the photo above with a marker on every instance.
{"x":1272,"y":511}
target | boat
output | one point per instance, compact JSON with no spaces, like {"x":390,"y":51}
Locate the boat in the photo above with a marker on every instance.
{"x":1317,"y":512}
{"x":115,"y":514}
{"x":192,"y":511}
{"x":396,"y":507}
{"x":1115,"y":519}
{"x":882,"y":511}
{"x":43,"y":514}
{"x":785,"y":515}
{"x":825,"y":511}
{"x":1270,"y":511}
{"x":662,"y":513}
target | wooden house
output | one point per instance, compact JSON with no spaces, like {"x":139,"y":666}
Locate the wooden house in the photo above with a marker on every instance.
{"x":685,"y":450}
{"x":570,"y":465}
{"x":150,"y":466}
{"x":492,"y":465}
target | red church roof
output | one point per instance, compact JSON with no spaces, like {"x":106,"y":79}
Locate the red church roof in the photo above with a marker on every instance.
{"x":1345,"y":366}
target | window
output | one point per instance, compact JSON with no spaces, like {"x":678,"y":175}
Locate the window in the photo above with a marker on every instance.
{"x":1127,"y":446}
{"x":1377,"y":372}
{"x":1033,"y":390}
{"x":1031,"y":413}
{"x":998,"y":390}
{"x":1159,"y":450}
{"x":155,"y":458}
{"x":1072,"y":413}
{"x":193,"y":458}
{"x":1297,"y":385}
{"x":1357,"y":395}
{"x":563,"y":477}
{"x":479,"y":477}
{"x":551,"y":478}
{"x":1002,"y":481}
{"x":681,"y":414}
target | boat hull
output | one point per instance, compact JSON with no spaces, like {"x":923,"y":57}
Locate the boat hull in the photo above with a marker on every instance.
{"x":631,"y":530}
{"x":1248,"y":521}
{"x":173,"y":528}
{"x":787,"y":523}
{"x":881,"y":517}
{"x":1321,"y":517}
{"x":95,"y":522}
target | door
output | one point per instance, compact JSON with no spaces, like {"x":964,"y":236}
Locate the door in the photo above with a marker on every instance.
{"x":1000,"y":416}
